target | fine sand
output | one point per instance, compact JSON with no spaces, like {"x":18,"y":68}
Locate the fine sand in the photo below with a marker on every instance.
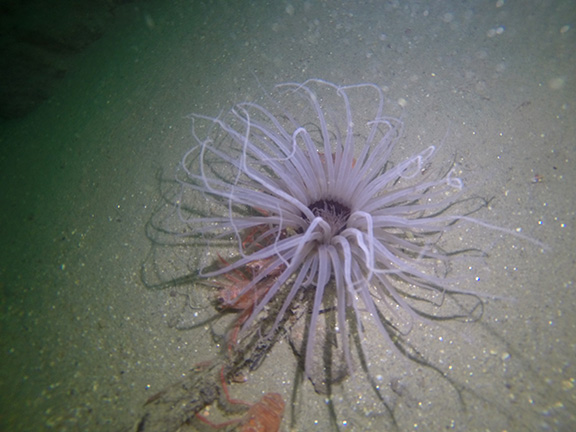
{"x":85,"y":342}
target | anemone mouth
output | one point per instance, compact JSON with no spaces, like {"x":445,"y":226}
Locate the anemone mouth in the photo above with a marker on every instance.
{"x":333,"y":212}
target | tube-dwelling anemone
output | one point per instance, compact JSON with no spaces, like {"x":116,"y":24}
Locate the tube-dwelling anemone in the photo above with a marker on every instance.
{"x":309,"y":193}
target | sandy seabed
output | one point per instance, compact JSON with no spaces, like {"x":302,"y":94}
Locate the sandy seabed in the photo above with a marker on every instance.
{"x":84,"y":342}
